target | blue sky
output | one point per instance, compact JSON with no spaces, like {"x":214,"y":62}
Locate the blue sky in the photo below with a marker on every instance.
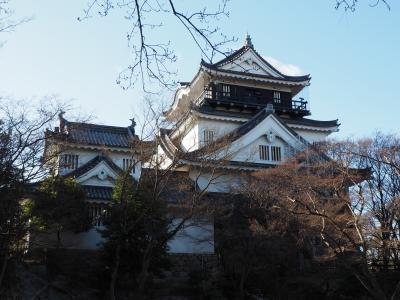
{"x":353,"y":58}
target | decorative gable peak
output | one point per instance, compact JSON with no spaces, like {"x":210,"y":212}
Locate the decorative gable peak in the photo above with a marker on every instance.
{"x":247,"y":60}
{"x":247,"y":42}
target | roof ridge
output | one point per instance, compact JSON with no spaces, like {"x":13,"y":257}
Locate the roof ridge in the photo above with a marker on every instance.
{"x":241,"y":51}
{"x":97,"y":125}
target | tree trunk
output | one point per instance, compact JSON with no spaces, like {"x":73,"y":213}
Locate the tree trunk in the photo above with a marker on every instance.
{"x":242,"y":282}
{"x":144,"y":273}
{"x":114,"y":274}
{"x":3,"y":269}
{"x":396,"y":293}
{"x":142,"y":279}
{"x":369,"y":283}
{"x":58,"y":238}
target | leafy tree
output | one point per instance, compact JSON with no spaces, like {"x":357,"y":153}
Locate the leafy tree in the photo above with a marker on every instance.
{"x":59,"y":204}
{"x":260,"y":242}
{"x":135,"y":226}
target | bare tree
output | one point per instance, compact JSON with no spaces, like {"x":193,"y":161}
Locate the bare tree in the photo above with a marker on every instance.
{"x":152,"y":58}
{"x":379,"y":193}
{"x":161,"y":183}
{"x":349,"y":202}
{"x":22,"y":146}
{"x":351,"y":5}
{"x":7,"y":14}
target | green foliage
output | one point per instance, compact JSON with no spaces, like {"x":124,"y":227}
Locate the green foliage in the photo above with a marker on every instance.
{"x":59,"y":203}
{"x":13,"y":223}
{"x":138,"y":222}
{"x":125,"y":190}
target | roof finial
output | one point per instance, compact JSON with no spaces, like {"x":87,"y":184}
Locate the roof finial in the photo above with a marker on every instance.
{"x":62,"y":120}
{"x":248,"y":42}
{"x":132,"y":126}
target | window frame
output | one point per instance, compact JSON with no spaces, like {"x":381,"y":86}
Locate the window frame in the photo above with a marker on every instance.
{"x":277,"y":97}
{"x":129,"y":164}
{"x":208,"y":136}
{"x":69,"y":161}
{"x":226,"y":90}
{"x":263,"y":152}
{"x":276,"y":153}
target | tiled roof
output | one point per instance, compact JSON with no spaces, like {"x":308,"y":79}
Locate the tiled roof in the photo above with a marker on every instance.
{"x":240,"y":52}
{"x":92,"y":163}
{"x":310,"y":122}
{"x":248,"y":115}
{"x":208,"y":110}
{"x":170,"y":149}
{"x":98,"y":192}
{"x":99,"y":135}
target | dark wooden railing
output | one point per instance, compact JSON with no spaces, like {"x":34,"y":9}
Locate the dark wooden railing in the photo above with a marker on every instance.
{"x":253,"y":101}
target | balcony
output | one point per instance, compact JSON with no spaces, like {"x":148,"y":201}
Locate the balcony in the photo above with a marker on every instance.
{"x":214,"y":97}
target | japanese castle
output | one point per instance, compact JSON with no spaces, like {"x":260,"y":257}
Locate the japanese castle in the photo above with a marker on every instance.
{"x":236,"y":116}
{"x":241,"y":111}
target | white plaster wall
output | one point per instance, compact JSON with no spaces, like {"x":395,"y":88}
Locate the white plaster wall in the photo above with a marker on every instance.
{"x":117,"y":158}
{"x":87,"y":155}
{"x":163,"y":160}
{"x":90,"y":239}
{"x":250,"y":153}
{"x":195,"y":237}
{"x":194,"y":138}
{"x":216,"y":182}
{"x":266,"y":126}
{"x":84,"y":157}
{"x":220,"y":127}
{"x":311,"y":135}
{"x":190,"y":141}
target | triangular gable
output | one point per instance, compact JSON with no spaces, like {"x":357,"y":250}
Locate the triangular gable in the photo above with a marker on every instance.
{"x":266,"y":124}
{"x":101,"y":174}
{"x":250,"y":62}
{"x":101,"y":171}
{"x":247,"y":61}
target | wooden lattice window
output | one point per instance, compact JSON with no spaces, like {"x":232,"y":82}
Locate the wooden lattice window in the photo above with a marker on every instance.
{"x":276,"y":153}
{"x":70,"y":161}
{"x":128,"y":164}
{"x":264,"y":152}
{"x":277,"y":97}
{"x":208,"y":136}
{"x":226,"y":90}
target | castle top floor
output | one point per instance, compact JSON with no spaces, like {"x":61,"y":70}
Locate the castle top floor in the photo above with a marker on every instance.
{"x":242,"y":82}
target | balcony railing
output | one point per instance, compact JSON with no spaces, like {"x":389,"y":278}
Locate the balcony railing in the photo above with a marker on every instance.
{"x":299,"y":105}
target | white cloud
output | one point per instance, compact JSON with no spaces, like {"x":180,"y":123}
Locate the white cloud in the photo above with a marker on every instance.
{"x":287,"y":69}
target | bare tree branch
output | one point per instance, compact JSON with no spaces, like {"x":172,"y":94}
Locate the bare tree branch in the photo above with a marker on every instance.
{"x":153,"y":59}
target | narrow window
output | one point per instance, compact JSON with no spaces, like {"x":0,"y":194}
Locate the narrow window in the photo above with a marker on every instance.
{"x":208,"y":136}
{"x":226,"y":90}
{"x":277,"y":97}
{"x":264,"y":152}
{"x":276,"y":153}
{"x":69,"y":161}
{"x":128,"y":164}
{"x":209,"y":92}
